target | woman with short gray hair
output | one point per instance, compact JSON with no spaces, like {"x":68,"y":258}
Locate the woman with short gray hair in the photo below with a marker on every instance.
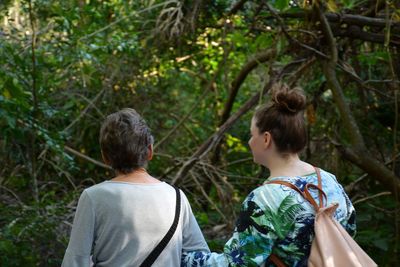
{"x":121,"y":221}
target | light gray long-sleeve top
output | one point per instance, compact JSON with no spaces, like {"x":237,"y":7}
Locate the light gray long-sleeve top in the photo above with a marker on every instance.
{"x":119,"y":224}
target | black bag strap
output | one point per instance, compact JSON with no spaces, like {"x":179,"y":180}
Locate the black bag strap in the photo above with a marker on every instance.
{"x":164,"y":242}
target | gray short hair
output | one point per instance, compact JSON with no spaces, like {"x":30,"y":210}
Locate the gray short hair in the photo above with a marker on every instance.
{"x":124,"y":140}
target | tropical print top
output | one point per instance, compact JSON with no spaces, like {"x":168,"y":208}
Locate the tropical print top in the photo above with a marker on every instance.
{"x":276,"y":219}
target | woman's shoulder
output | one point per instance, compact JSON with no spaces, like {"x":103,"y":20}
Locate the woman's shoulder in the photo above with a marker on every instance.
{"x":325,"y":173}
{"x":273,"y":194}
{"x":269,"y":195}
{"x":110,"y":189}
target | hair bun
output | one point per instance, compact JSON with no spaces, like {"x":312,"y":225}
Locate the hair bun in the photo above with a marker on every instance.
{"x":286,"y":100}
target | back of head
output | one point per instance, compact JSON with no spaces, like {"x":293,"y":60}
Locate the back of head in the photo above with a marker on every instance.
{"x":283,"y":118}
{"x":124,"y":140}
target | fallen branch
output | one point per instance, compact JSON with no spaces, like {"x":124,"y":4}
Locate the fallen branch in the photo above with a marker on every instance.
{"x":235,"y":85}
{"x":349,"y":19}
{"x":215,"y":138}
{"x":349,"y":187}
{"x":85,"y":110}
{"x":236,"y":7}
{"x":87,"y":158}
{"x":210,"y":87}
{"x":357,"y":152}
{"x":200,"y":187}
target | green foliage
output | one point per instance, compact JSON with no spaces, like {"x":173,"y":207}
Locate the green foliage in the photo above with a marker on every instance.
{"x":281,"y":4}
{"x":92,"y":58}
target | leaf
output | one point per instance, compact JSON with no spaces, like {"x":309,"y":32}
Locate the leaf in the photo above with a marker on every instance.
{"x":11,"y":122}
{"x":6,"y":94}
{"x":381,"y":243}
{"x":331,"y":4}
{"x":282,"y":4}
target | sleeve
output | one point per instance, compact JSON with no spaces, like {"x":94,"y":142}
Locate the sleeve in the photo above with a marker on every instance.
{"x":350,"y":222}
{"x":192,"y":237}
{"x":81,"y":240}
{"x":250,"y":245}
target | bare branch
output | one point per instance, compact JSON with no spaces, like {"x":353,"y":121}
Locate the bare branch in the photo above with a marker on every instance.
{"x":337,"y":92}
{"x":215,"y":138}
{"x":350,"y":186}
{"x":209,"y":88}
{"x":358,"y":152}
{"x":85,"y":110}
{"x":200,"y":187}
{"x":236,"y":7}
{"x":371,"y":197}
{"x":87,"y":158}
{"x":246,"y":69}
{"x":344,"y":19}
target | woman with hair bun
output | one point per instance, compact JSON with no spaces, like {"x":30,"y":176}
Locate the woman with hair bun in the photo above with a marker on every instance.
{"x":275,"y":219}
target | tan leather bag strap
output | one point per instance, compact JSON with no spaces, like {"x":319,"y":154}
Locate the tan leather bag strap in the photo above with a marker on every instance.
{"x":276,"y":260}
{"x":292,"y":186}
{"x":307,"y":196}
{"x":317,"y":170}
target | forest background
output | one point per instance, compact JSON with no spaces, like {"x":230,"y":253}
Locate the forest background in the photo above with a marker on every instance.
{"x":195,"y":70}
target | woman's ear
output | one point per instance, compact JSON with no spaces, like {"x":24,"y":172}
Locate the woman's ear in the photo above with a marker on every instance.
{"x":150,"y":152}
{"x":106,"y":161}
{"x":267,"y":139}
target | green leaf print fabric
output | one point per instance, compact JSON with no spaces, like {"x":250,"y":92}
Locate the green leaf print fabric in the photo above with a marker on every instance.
{"x":275,"y":218}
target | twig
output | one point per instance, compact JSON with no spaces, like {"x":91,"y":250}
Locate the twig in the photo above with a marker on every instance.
{"x":382,"y":81}
{"x":236,"y":7}
{"x":210,"y":87}
{"x":243,"y":73}
{"x":215,"y":138}
{"x":357,"y":152}
{"x":239,"y":161}
{"x":284,"y":30}
{"x":13,"y":194}
{"x":84,"y":111}
{"x":350,"y":186}
{"x":371,"y":197}
{"x":67,"y":175}
{"x":200,"y":187}
{"x":296,"y":76}
{"x":124,"y":18}
{"x":349,"y":19}
{"x":35,"y":106}
{"x":190,"y":112}
{"x":83,"y":156}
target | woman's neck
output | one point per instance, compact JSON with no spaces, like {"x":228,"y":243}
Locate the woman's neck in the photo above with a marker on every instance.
{"x":289,"y":165}
{"x":139,"y":175}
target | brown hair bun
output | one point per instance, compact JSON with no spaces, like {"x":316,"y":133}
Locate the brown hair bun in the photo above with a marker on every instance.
{"x":286,"y":100}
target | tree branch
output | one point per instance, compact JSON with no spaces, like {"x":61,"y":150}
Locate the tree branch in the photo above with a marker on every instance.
{"x":358,"y":152}
{"x":87,"y":158}
{"x":337,"y":92}
{"x":355,"y":32}
{"x":345,"y":19}
{"x":215,"y":138}
{"x":236,"y":7}
{"x":35,"y":110}
{"x":235,"y":85}
{"x":373,"y":167}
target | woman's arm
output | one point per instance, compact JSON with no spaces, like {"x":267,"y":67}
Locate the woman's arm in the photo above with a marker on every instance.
{"x":192,"y":237}
{"x":81,"y":240}
{"x":250,"y":245}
